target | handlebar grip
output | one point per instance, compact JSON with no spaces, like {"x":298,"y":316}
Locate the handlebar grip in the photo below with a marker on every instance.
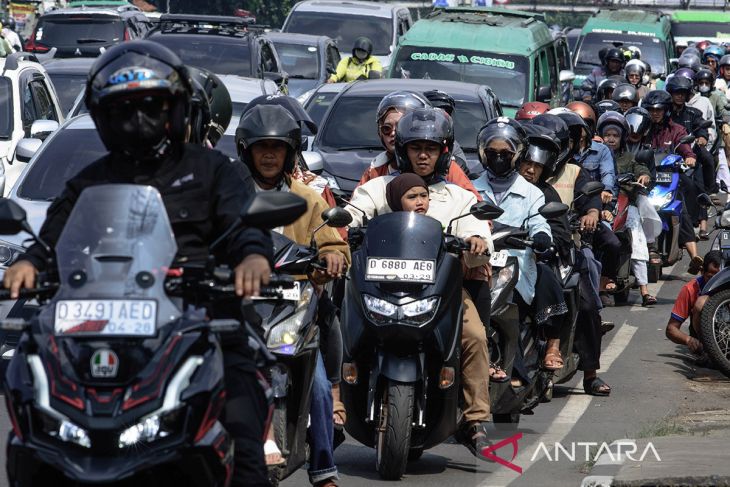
{"x":29,"y":293}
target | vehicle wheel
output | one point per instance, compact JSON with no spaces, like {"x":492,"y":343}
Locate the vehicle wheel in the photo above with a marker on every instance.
{"x":715,"y":330}
{"x":414,"y":454}
{"x":278,"y":422}
{"x":622,"y":296}
{"x":394,"y":432}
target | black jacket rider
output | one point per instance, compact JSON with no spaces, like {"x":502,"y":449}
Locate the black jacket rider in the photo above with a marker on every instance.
{"x":690,"y":118}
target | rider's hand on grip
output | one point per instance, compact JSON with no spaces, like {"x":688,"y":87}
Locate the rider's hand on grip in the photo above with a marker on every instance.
{"x":19,"y":275}
{"x":251,"y":274}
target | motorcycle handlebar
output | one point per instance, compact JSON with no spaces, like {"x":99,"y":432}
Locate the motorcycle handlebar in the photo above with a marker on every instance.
{"x":31,"y":293}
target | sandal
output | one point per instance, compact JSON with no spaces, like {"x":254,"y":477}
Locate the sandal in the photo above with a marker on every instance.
{"x":330,"y":482}
{"x":474,"y":437}
{"x":703,"y":235}
{"x":495,"y":373}
{"x":271,"y":449}
{"x":596,"y":387}
{"x":553,"y":355}
{"x":339,"y":418}
{"x":695,"y":265}
{"x":648,"y":300}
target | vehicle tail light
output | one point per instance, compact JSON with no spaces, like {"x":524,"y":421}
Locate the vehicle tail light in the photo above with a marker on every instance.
{"x":126,"y":35}
{"x":13,"y":418}
{"x":32,"y":46}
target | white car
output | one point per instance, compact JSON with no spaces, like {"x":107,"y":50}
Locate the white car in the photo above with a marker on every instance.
{"x":29,"y":111}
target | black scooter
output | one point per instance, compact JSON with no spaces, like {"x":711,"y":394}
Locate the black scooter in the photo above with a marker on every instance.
{"x":113,"y":382}
{"x":401,"y":328}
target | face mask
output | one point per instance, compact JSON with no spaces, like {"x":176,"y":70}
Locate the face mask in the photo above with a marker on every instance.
{"x":500,"y":163}
{"x":704,"y":89}
{"x":645,"y":80}
{"x":143,"y":137}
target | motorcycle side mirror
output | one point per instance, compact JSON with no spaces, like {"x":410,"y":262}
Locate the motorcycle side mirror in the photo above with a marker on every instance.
{"x":626,"y":178}
{"x":336,"y":217}
{"x":485,"y":211}
{"x":271,"y":210}
{"x":704,"y":200}
{"x":705,"y":124}
{"x":594,"y":188}
{"x":13,"y":218}
{"x":687,"y":139}
{"x":553,"y":209}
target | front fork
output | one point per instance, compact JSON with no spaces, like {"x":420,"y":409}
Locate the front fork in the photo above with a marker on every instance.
{"x":375,"y":384}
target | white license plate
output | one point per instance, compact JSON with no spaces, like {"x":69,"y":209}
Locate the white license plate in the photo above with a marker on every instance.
{"x":663,"y":177}
{"x":725,"y":240}
{"x":499,"y":259}
{"x":400,"y":270}
{"x":111,"y":317}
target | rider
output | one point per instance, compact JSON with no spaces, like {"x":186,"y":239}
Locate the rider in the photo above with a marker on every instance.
{"x":705,"y":83}
{"x":268,"y":140}
{"x":361,"y":65}
{"x":712,"y":56}
{"x":444,"y":101}
{"x":390,"y":110}
{"x":531,"y":109}
{"x":664,"y":136}
{"x":143,"y":126}
{"x":626,"y":95}
{"x":613,"y":64}
{"x":606,"y":88}
{"x":635,"y":72}
{"x":724,"y":76}
{"x":6,"y":49}
{"x":422,"y":147}
{"x":639,"y":122}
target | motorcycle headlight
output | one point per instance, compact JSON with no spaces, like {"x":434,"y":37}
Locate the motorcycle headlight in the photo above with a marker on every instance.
{"x":64,"y":430}
{"x":414,"y":313}
{"x":283,"y":337}
{"x":503,"y":278}
{"x":660,"y":200}
{"x":144,"y":431}
{"x":9,"y":253}
{"x":379,"y":310}
{"x":725,"y":219}
{"x":421,"y":311}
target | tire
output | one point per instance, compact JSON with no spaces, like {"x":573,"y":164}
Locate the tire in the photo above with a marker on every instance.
{"x":278,"y":422}
{"x":414,"y":454}
{"x":715,"y":330}
{"x":394,"y":435}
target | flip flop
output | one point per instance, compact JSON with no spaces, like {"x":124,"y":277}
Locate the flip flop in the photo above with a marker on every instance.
{"x":340,"y":413}
{"x":497,"y":369}
{"x":553,"y":355}
{"x":270,"y":448}
{"x":593,"y":386}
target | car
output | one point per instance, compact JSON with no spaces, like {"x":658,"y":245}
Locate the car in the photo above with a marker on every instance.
{"x":88,"y":29}
{"x":222,"y":45}
{"x":699,"y":25}
{"x":521,"y":60}
{"x":69,"y":78}
{"x":348,"y":140}
{"x":344,"y":21}
{"x":307,"y":60}
{"x":29,"y":111}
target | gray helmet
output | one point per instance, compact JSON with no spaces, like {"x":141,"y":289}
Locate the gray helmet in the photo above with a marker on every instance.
{"x":615,"y":120}
{"x":363,"y":43}
{"x":690,"y":60}
{"x":268,"y":122}
{"x":508,"y":130}
{"x":402,"y":101}
{"x":626,"y":92}
{"x":725,"y":60}
{"x":429,"y":124}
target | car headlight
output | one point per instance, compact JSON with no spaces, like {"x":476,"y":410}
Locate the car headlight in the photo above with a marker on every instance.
{"x":660,"y":200}
{"x":9,"y":253}
{"x":415,"y":313}
{"x":503,"y":278}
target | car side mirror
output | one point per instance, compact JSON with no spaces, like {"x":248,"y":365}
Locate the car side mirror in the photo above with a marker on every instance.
{"x":42,"y":129}
{"x":13,"y":218}
{"x":566,"y":76}
{"x":305,"y":142}
{"x":314,"y":161}
{"x":594,"y":188}
{"x":336,"y":217}
{"x":544,"y":94}
{"x":274,"y":76}
{"x":485,"y":211}
{"x":271,"y":210}
{"x":26,"y":149}
{"x":553,"y":209}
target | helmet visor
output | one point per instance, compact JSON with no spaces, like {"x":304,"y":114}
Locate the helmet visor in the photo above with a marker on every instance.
{"x":540,"y":155}
{"x":637,"y":123}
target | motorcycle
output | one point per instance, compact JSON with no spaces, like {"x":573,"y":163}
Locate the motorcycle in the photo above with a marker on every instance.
{"x":289,"y":321}
{"x":401,"y":328}
{"x":114,"y":381}
{"x":665,"y":198}
{"x":629,"y":190}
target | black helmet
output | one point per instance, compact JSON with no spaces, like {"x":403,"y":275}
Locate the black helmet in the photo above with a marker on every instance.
{"x":402,"y":101}
{"x":200,"y":106}
{"x":138,"y":94}
{"x":221,"y":109}
{"x":508,"y":130}
{"x":639,"y":121}
{"x":725,"y":60}
{"x":615,"y":54}
{"x":604,"y":106}
{"x":705,"y":74}
{"x":607,"y":86}
{"x":690,"y":60}
{"x":425,"y":124}
{"x":268,"y":122}
{"x":291,"y":104}
{"x":9,"y":22}
{"x":576,"y":125}
{"x":626,"y":92}
{"x":363,"y":43}
{"x":543,"y":147}
{"x":676,"y":84}
{"x":615,"y":120}
{"x":557,"y":126}
{"x":658,"y":99}
{"x":211,"y":107}
{"x":440,"y":99}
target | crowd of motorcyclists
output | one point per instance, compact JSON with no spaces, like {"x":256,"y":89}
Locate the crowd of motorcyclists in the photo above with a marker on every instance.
{"x":544,"y":155}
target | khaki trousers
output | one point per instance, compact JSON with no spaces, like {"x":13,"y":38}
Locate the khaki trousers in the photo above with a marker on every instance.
{"x":474,"y":364}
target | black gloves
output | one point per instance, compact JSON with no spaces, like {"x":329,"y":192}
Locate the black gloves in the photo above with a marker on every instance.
{"x":541,"y":242}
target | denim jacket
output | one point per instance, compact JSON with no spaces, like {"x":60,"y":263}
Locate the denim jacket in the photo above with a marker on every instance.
{"x":519,"y":201}
{"x":598,"y":163}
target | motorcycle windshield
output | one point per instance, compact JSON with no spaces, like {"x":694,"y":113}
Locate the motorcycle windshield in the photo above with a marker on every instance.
{"x":405,"y":235}
{"x":113,"y":256}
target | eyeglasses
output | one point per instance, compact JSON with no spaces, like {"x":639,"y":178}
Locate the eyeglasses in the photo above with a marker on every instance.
{"x":502,"y":154}
{"x":387,"y":129}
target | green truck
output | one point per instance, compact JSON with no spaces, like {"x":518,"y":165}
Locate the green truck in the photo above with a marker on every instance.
{"x":647,"y":30}
{"x":512,"y":52}
{"x":699,"y":25}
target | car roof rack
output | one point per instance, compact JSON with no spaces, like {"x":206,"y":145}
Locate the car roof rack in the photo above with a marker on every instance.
{"x":121,"y":4}
{"x":11,"y":62}
{"x":205,"y":24}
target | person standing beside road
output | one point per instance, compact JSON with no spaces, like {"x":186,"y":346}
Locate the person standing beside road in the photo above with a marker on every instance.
{"x":689,"y":304}
{"x":361,"y":65}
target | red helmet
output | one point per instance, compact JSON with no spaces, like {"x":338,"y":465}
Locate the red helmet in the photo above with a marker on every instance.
{"x":702,"y":45}
{"x":531,"y":109}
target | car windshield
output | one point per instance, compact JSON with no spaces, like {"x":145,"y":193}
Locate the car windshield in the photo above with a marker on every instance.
{"x":507,"y":75}
{"x":345,"y":28}
{"x":652,"y":50}
{"x":6,"y":108}
{"x":299,"y":60}
{"x":219,"y":57}
{"x":701,"y":30}
{"x":68,"y":87}
{"x":67,"y":153}
{"x":84,"y":30}
{"x":318,"y":105}
{"x":343,"y":131}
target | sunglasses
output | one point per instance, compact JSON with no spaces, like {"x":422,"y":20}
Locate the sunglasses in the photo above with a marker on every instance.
{"x":494,"y":154}
{"x":387,"y":129}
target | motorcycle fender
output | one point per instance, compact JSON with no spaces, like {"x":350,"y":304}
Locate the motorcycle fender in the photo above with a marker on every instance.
{"x":719,"y":282}
{"x":400,"y":369}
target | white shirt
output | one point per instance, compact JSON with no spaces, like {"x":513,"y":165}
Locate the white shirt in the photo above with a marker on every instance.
{"x":704,"y":105}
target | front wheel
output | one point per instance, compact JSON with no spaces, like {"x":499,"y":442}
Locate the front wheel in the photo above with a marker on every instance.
{"x":394,"y":431}
{"x":715,"y":330}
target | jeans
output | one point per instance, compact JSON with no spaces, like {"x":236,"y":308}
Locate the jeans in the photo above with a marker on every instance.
{"x":321,"y":428}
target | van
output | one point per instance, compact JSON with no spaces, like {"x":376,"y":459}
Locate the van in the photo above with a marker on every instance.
{"x":700,"y":25}
{"x":512,"y":52}
{"x":647,"y":30}
{"x":345,"y":21}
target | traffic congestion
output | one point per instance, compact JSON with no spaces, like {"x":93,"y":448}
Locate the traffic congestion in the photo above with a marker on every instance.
{"x":447,"y":245}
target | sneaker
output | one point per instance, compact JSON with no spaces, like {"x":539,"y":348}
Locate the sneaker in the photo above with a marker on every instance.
{"x":607,"y":326}
{"x":695,"y":265}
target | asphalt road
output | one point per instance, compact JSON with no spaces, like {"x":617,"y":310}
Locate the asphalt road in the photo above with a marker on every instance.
{"x":652,"y":380}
